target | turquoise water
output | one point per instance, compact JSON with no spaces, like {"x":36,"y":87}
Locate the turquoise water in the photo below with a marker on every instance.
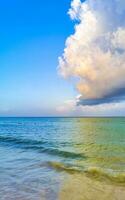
{"x":38,"y":155}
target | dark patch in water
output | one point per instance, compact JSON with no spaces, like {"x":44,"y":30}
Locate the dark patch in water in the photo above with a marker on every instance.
{"x":40,"y":146}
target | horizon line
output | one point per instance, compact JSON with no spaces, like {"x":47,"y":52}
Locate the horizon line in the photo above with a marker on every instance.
{"x":116,"y":116}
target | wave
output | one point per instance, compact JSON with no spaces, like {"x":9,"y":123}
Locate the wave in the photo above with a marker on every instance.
{"x":95,"y":173}
{"x":39,"y":145}
{"x":16,"y":140}
{"x":62,"y":167}
{"x":111,"y":176}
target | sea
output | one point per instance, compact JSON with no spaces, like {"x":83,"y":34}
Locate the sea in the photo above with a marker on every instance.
{"x":51,"y":158}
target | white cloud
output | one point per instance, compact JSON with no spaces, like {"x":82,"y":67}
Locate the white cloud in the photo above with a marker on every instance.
{"x":95,"y":53}
{"x":69,"y":108}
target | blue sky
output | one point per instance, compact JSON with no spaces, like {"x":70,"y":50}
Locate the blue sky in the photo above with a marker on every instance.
{"x":32,"y":36}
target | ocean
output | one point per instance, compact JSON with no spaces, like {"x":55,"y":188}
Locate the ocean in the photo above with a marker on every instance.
{"x":62,"y":158}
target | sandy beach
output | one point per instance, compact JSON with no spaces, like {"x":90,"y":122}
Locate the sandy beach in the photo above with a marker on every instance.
{"x":84,"y":188}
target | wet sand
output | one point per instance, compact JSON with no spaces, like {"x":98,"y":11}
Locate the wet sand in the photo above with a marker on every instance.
{"x":81,"y":187}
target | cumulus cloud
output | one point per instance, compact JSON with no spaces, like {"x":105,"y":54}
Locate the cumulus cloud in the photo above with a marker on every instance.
{"x":95,"y":53}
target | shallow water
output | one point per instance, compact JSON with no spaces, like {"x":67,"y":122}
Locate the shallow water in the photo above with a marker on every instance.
{"x":62,"y":158}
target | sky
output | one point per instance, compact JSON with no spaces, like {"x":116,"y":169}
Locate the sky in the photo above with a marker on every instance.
{"x":42,"y":58}
{"x":32,"y":36}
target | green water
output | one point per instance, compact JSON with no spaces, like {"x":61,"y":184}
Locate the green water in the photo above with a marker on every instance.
{"x":100,"y":146}
{"x":102,"y":141}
